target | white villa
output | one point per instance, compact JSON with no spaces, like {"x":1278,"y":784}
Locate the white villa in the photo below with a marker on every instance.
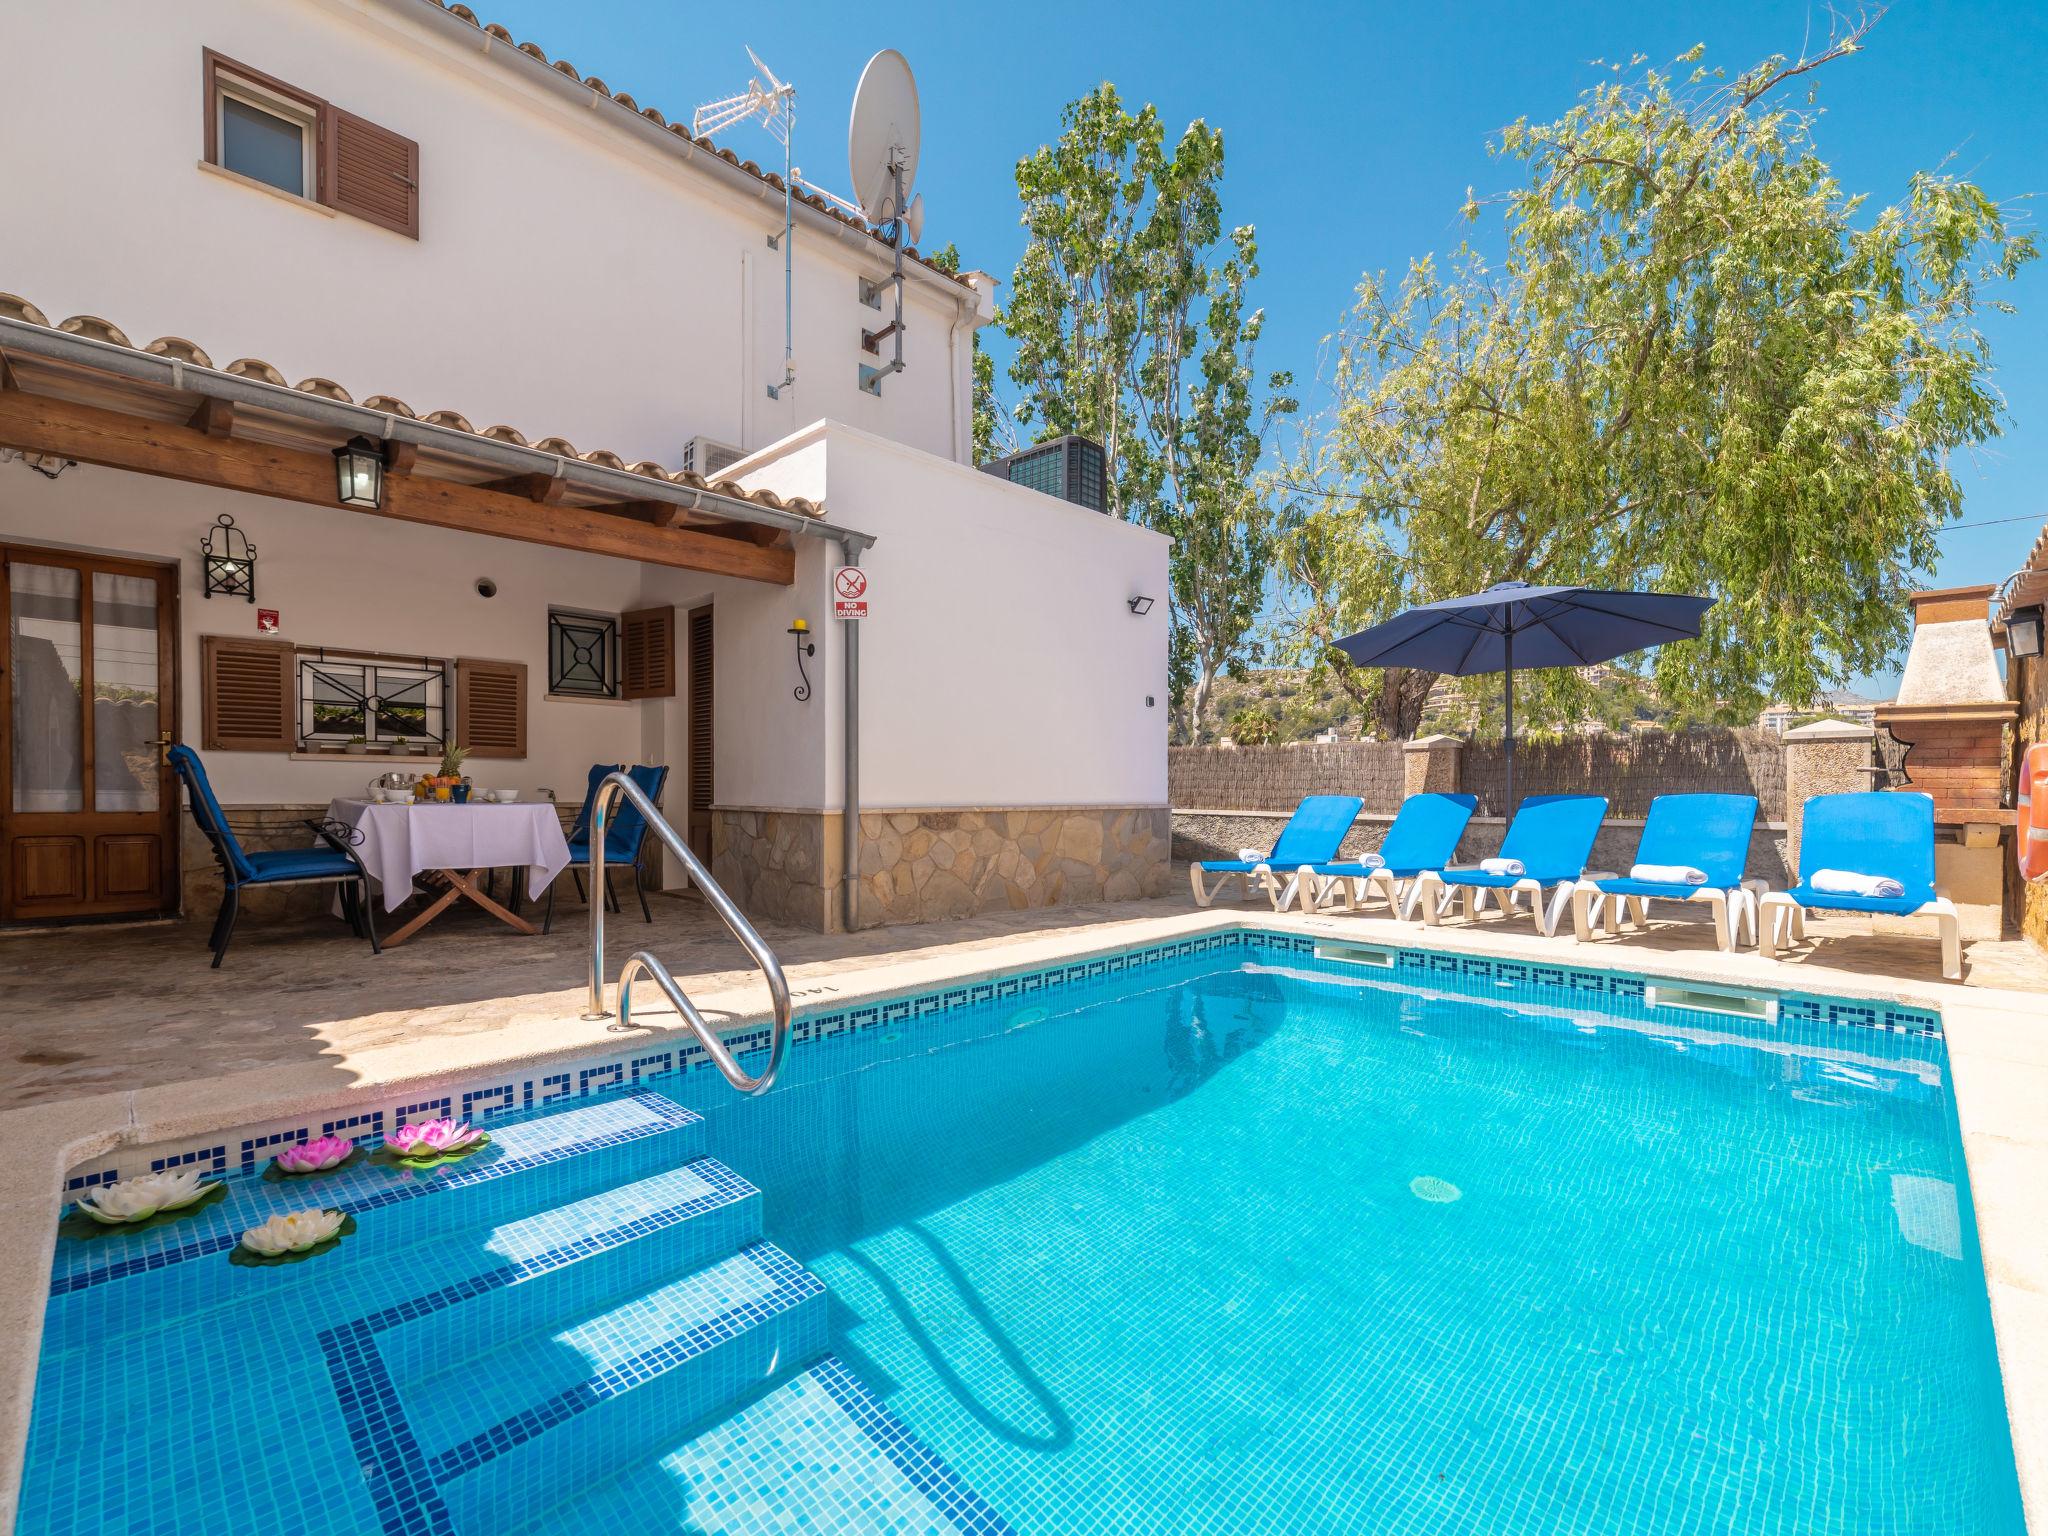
{"x":555,"y":319}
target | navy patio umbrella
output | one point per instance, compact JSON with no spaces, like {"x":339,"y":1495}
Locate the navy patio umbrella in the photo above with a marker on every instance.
{"x":1513,"y":624}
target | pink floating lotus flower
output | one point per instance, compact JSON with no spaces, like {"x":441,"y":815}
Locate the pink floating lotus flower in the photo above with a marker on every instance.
{"x":433,"y":1138}
{"x":315,"y":1156}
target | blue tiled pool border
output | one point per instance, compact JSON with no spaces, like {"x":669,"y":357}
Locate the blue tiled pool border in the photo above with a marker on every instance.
{"x":552,"y":1085}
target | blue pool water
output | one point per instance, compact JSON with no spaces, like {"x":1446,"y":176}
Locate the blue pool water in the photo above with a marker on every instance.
{"x":1239,"y":1240}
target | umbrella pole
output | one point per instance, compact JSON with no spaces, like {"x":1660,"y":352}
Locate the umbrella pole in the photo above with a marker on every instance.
{"x":1508,"y":726}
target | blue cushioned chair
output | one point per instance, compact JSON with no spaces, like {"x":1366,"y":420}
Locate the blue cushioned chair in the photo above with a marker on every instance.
{"x":335,"y":862}
{"x":1424,"y":837}
{"x":1709,"y":833}
{"x":1313,"y":835}
{"x":1887,"y":832}
{"x":624,"y":836}
{"x":1552,"y":835}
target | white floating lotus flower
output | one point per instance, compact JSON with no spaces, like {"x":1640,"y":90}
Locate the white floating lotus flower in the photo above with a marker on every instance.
{"x":140,"y":1198}
{"x":293,"y":1232}
{"x":315,"y":1156}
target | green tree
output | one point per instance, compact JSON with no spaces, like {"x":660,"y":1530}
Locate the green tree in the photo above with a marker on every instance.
{"x":1254,"y":726}
{"x":1699,"y":366}
{"x":1129,"y":313}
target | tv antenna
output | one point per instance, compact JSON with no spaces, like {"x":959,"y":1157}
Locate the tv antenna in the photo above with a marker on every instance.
{"x":881,"y":153}
{"x":774,"y":104}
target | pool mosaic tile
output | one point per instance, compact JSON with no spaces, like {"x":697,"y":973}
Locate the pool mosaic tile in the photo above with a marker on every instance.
{"x":1130,"y":1244}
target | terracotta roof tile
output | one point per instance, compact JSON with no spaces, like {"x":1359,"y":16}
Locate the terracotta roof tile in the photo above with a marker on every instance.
{"x":93,"y":327}
{"x":13,"y":307}
{"x":256,"y":368}
{"x":20,"y":309}
{"x":178,"y":347}
{"x":681,"y":131}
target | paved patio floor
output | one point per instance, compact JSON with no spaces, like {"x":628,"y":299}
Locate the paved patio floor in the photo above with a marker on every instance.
{"x":92,"y":1011}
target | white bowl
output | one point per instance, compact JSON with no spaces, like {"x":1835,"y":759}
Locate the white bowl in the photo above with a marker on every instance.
{"x":508,"y":797}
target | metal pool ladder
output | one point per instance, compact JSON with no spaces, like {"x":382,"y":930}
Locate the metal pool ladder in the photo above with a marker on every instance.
{"x":608,"y":792}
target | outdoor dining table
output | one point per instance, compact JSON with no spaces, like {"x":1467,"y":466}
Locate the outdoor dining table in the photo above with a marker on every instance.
{"x":456,"y":844}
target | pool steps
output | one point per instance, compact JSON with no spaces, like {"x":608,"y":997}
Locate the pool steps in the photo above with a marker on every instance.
{"x":583,"y":1315}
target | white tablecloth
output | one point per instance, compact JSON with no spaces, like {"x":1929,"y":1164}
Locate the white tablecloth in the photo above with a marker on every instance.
{"x":400,"y":841}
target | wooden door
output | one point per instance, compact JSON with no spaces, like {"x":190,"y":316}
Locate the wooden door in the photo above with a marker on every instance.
{"x":699,"y":830}
{"x":88,"y":704}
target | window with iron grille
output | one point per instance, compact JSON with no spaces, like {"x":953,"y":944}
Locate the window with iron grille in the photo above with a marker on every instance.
{"x":583,"y":654}
{"x":343,"y":698}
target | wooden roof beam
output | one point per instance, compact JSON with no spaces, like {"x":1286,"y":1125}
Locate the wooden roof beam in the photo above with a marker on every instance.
{"x":94,"y":435}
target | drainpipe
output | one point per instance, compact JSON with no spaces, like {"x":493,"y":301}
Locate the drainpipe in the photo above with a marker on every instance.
{"x":849,"y":550}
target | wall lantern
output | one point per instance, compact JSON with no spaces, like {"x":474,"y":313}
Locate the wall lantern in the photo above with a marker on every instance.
{"x":2023,"y":632}
{"x":230,"y":567}
{"x":805,"y":646}
{"x":359,"y":474}
{"x":1139,"y":605}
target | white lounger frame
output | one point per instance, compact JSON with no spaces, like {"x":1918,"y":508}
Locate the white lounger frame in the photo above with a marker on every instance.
{"x":1282,"y":896}
{"x":1356,"y":893}
{"x":1435,"y":895}
{"x":1593,"y":907}
{"x":1782,"y":921}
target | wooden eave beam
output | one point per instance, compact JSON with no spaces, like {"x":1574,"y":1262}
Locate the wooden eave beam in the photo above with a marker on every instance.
{"x":546,"y":489}
{"x":215,"y":418}
{"x":666,"y":514}
{"x":92,"y":435}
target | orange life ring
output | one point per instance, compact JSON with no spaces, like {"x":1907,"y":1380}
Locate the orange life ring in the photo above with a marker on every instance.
{"x":2031,"y":842}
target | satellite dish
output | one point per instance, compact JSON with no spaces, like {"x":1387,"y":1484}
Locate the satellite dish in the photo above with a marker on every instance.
{"x":882,"y":138}
{"x":913,"y":219}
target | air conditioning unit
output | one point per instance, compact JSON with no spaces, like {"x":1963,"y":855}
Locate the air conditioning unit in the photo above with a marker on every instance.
{"x":708,"y":457}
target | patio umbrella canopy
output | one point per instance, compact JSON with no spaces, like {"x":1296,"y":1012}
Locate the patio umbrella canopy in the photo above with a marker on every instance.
{"x":1513,"y":624}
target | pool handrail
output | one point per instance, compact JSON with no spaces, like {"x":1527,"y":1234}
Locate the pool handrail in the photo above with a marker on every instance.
{"x":614,"y":785}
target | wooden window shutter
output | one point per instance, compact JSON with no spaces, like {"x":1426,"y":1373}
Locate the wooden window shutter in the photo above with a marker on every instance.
{"x":371,"y":172}
{"x":700,"y":711}
{"x":490,"y":707}
{"x":249,"y":694}
{"x":647,"y":654}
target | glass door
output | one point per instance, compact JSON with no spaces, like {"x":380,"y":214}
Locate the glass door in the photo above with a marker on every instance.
{"x":89,"y":823}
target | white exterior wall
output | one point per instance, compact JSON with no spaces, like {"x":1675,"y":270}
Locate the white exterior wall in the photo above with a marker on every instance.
{"x":1002,"y":666}
{"x":569,"y":279}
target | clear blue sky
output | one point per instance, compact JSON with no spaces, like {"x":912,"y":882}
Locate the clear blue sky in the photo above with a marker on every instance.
{"x":1353,"y":131}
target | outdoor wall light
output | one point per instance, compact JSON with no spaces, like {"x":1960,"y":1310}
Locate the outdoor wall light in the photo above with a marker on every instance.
{"x":230,"y":567}
{"x":2023,"y":632}
{"x":805,"y":646}
{"x":359,"y":474}
{"x":1139,"y":605}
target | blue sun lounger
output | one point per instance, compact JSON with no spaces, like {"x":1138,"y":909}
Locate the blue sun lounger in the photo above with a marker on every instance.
{"x":1886,"y":832}
{"x":1424,"y":837}
{"x":1552,"y":836}
{"x":1313,"y":835}
{"x":1708,"y":833}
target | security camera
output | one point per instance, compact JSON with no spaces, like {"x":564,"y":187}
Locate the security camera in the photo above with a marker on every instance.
{"x":485,"y":587}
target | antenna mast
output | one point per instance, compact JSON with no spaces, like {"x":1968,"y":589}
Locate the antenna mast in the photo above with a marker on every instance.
{"x":775,"y":105}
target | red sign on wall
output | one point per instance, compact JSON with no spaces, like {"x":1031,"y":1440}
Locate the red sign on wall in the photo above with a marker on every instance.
{"x":849,"y":593}
{"x":266,"y":621}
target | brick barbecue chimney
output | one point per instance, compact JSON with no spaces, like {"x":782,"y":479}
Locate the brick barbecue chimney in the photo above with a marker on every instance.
{"x":1952,"y":710}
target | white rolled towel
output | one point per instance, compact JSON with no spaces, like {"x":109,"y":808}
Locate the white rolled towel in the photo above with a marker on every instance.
{"x":1846,"y":882}
{"x":1668,"y":874}
{"x":1251,"y":855}
{"x":1372,"y":861}
{"x":1502,"y":866}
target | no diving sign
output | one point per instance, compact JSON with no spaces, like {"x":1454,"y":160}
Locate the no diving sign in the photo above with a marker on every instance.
{"x":849,"y":593}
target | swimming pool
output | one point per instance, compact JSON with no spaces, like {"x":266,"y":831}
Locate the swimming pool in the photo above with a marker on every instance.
{"x":1222,"y":1237}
